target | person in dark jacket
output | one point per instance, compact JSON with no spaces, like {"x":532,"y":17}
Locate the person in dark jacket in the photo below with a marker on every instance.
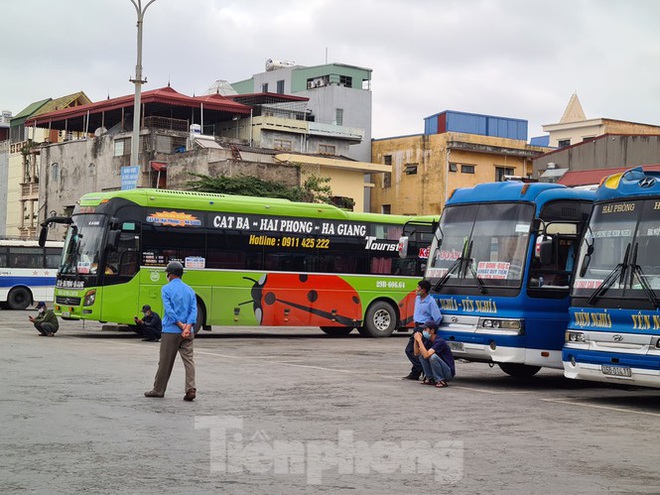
{"x":150,"y":325}
{"x":46,"y":321}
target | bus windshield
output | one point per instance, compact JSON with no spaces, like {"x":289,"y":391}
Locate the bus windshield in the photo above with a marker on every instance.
{"x":481,"y":244}
{"x":620,"y":255}
{"x":83,"y":245}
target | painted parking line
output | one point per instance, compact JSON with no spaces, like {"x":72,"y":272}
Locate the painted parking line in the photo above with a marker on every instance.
{"x":596,"y":406}
{"x":283,"y":363}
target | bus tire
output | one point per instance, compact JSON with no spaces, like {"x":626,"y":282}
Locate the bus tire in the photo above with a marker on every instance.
{"x":19,"y":298}
{"x":364,"y":332}
{"x":337,"y":331}
{"x":380,"y":319}
{"x":201,"y":317}
{"x":519,"y":370}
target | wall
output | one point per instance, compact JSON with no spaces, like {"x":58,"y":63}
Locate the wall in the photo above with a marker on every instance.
{"x":426,"y":191}
{"x":4,"y":181}
{"x":608,"y":151}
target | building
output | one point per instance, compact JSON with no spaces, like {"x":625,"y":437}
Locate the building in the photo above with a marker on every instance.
{"x":339,"y":97}
{"x":19,"y":165}
{"x":457,"y":149}
{"x":181,"y":136}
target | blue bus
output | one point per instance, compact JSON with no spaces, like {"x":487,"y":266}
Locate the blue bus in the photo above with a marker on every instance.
{"x":614,"y":329}
{"x":500,"y":267}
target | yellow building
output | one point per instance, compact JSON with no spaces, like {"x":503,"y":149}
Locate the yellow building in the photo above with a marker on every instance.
{"x":427,"y":168}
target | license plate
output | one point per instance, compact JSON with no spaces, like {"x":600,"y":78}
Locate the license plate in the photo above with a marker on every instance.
{"x":456,"y":346}
{"x":66,"y":314}
{"x":615,"y":370}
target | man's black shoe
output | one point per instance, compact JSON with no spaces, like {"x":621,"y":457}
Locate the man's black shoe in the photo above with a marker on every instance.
{"x":411,"y":376}
{"x":149,"y":340}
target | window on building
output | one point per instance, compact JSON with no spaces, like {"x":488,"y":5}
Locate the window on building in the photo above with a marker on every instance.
{"x":453,"y":167}
{"x":346,"y":81}
{"x":122,"y":146}
{"x":562,"y":143}
{"x":386,"y":209}
{"x":339,"y":116}
{"x":410,"y":169}
{"x":467,"y":169}
{"x":264,"y":87}
{"x":280,"y":86}
{"x":387,"y":159}
{"x":327,"y":149}
{"x":501,"y":172}
{"x":55,"y":172}
{"x":282,"y":144}
{"x":387,"y":180}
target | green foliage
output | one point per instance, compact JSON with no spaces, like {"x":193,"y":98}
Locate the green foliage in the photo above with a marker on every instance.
{"x":314,"y":189}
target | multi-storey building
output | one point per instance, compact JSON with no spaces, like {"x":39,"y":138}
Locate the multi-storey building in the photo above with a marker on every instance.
{"x":456,"y":150}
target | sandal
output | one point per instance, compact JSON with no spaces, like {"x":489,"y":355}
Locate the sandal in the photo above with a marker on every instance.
{"x":441,"y":384}
{"x":426,"y":381}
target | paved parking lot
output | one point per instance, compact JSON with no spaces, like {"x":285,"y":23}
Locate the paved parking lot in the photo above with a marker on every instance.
{"x":294,"y":411}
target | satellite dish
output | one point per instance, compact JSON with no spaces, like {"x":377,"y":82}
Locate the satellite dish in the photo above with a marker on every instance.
{"x":99,"y":131}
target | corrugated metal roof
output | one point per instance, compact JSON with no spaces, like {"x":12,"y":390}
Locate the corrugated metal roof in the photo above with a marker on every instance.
{"x":574,"y":178}
{"x":166,"y":96}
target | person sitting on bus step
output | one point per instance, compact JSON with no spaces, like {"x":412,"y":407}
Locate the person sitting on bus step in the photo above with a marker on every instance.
{"x":150,"y":325}
{"x":435,"y":356}
{"x":426,"y":309}
{"x":46,"y":322}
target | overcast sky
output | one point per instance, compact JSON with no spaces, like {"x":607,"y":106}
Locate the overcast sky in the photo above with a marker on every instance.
{"x":512,"y":58}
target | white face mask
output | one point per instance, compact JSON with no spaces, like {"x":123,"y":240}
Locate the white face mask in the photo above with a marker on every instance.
{"x":41,"y":309}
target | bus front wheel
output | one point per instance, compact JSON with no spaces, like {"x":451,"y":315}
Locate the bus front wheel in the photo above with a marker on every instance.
{"x":519,"y":370}
{"x":380,"y":320}
{"x":19,"y":298}
{"x":337,"y":331}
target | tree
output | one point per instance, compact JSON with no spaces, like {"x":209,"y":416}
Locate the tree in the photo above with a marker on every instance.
{"x":314,"y":189}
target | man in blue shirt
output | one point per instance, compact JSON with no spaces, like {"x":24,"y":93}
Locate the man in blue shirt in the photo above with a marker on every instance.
{"x":435,"y":356}
{"x":180,"y":314}
{"x":426,"y":309}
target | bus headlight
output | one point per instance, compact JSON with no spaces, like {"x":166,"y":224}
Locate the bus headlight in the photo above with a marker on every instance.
{"x":500,"y":326}
{"x":572,"y":336}
{"x":90,"y":297}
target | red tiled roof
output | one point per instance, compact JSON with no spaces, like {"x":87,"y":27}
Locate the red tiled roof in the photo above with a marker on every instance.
{"x":166,"y":96}
{"x":588,"y":177}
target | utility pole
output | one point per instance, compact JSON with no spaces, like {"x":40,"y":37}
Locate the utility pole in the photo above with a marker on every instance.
{"x":138,"y":81}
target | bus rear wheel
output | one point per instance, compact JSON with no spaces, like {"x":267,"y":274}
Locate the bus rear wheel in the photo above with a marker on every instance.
{"x":337,"y":331}
{"x":519,"y":370}
{"x":19,"y":298}
{"x":380,"y":320}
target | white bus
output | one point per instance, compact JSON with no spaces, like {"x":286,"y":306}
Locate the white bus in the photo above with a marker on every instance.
{"x":27,"y":271}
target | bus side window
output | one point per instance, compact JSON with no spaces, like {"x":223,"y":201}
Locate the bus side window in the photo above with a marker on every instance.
{"x":3,"y":260}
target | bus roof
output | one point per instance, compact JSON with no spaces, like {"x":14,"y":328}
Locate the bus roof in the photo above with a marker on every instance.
{"x":201,"y":201}
{"x":633,"y":182}
{"x":508,"y":191}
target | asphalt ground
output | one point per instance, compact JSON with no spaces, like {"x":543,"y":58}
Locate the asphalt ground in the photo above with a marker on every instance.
{"x":295,"y":411}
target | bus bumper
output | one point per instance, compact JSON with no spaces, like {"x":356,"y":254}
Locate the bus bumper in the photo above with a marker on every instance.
{"x":503,"y":354}
{"x":599,"y":368}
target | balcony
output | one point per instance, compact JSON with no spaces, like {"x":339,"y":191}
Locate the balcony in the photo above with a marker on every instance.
{"x":30,"y":191}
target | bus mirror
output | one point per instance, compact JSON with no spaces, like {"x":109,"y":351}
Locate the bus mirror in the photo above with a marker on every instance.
{"x":113,"y":240}
{"x":43,"y":235}
{"x":403,"y":247}
{"x":586,"y":260}
{"x":545,"y":252}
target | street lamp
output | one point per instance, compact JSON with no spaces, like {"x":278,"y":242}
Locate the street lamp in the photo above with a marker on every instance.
{"x":138,"y":81}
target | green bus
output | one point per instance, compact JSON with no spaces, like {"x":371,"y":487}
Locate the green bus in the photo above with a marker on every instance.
{"x":251,"y":261}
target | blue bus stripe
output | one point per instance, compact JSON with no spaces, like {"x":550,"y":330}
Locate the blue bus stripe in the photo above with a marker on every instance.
{"x":12,"y":281}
